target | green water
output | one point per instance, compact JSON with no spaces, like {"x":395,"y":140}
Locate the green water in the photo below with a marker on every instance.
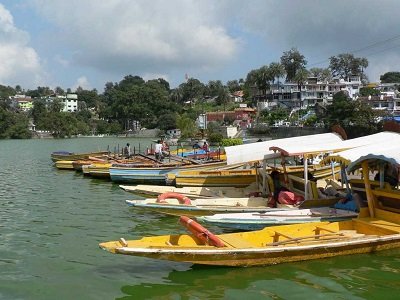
{"x":51,"y":222}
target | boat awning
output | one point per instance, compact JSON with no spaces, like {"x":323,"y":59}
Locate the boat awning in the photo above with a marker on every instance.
{"x":378,"y":140}
{"x":256,"y":151}
{"x":322,"y":146}
{"x":376,"y":156}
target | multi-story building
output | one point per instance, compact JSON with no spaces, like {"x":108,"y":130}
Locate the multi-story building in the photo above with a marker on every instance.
{"x":69,"y":101}
{"x":293,"y":95}
{"x":21,"y":102}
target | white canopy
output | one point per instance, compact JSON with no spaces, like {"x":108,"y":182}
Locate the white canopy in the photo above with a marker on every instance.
{"x":384,"y":142}
{"x":256,"y":151}
{"x":321,"y":146}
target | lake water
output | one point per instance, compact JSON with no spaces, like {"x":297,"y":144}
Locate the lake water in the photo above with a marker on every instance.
{"x":51,"y":223}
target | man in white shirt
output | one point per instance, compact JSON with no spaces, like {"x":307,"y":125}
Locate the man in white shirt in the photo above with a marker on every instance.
{"x":158,"y":150}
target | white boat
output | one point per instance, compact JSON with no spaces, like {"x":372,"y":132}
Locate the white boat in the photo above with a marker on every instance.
{"x":256,"y":221}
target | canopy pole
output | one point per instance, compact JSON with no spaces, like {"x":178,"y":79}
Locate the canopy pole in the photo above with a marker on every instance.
{"x":381,"y":175}
{"x":333,"y":171}
{"x":305,"y":177}
{"x":370,"y":196}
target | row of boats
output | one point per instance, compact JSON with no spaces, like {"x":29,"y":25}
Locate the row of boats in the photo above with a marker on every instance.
{"x":319,"y":226}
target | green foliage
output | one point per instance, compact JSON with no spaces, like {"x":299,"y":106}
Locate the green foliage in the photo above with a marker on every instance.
{"x":13,"y":125}
{"x":215,"y":138}
{"x":274,"y":115}
{"x":322,"y":74}
{"x":368,"y":91}
{"x":293,"y":61}
{"x":6,"y":91}
{"x":186,"y":125}
{"x":345,"y":65}
{"x":310,"y":121}
{"x":231,"y":142}
{"x":390,"y":77}
{"x":355,"y":117}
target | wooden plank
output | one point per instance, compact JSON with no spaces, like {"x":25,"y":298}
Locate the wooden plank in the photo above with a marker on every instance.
{"x":304,"y":238}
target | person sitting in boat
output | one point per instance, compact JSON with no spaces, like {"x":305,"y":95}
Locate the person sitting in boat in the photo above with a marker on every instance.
{"x":196,"y":146}
{"x":390,"y":175}
{"x":275,"y":175}
{"x":158,"y":150}
{"x":351,"y":202}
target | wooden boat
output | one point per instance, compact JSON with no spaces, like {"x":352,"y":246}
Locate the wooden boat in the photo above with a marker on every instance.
{"x":156,"y":174}
{"x":191,"y":192}
{"x":233,"y":178}
{"x":202,"y":206}
{"x":64,"y":164}
{"x":376,"y":228}
{"x":272,"y":245}
{"x":78,"y":164}
{"x":64,"y":155}
{"x":256,"y":221}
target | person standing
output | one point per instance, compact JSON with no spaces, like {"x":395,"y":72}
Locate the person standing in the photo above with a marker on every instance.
{"x":158,"y":150}
{"x":127,"y":150}
{"x":205,"y":147}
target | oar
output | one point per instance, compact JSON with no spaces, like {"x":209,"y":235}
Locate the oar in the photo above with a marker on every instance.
{"x":295,"y":240}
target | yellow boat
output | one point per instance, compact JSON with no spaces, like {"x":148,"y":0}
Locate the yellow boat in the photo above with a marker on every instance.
{"x":99,"y":170}
{"x":64,"y":164}
{"x":63,"y":155}
{"x":377,"y":228}
{"x":233,"y":178}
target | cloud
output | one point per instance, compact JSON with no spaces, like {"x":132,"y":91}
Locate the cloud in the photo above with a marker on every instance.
{"x":142,"y":37}
{"x":321,"y":29}
{"x":20,"y":64}
{"x":82,"y":82}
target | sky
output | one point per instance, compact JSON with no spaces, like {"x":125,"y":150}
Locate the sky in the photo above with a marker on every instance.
{"x":88,"y":43}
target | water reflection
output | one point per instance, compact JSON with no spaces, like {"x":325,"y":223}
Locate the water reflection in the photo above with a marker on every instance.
{"x":337,"y":278}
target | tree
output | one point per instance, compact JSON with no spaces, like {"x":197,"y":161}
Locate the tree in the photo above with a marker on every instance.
{"x":301,"y":77}
{"x":91,"y":98}
{"x":368,"y":91}
{"x":390,"y":77}
{"x":276,"y":70}
{"x":292,"y":61}
{"x":274,"y":115}
{"x":186,"y":125}
{"x":355,"y":117}
{"x":322,"y":74}
{"x":192,"y":90}
{"x":59,"y":91}
{"x":234,"y":85}
{"x":344,"y":65}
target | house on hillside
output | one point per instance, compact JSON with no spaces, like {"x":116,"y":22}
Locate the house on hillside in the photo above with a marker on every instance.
{"x":21,"y":102}
{"x":242,"y":117}
{"x":294,"y":96}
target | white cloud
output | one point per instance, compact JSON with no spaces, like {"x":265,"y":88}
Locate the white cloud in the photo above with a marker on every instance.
{"x":82,"y":82}
{"x":141,"y":36}
{"x":20,"y":64}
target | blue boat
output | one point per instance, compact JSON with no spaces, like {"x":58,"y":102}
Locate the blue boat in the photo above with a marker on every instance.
{"x":154,"y":175}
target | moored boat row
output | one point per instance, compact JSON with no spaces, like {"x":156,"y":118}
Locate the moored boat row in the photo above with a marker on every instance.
{"x":284,"y":213}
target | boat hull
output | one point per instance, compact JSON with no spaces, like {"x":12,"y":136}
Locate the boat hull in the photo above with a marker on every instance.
{"x":254,"y":221}
{"x":272,"y":245}
{"x":155,"y":175}
{"x":231,"y":178}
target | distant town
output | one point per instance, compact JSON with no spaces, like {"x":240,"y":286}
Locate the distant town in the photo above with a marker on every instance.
{"x":283,"y":94}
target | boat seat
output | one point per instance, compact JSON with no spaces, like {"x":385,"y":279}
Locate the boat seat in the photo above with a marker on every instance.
{"x":236,"y":242}
{"x":381,"y":226}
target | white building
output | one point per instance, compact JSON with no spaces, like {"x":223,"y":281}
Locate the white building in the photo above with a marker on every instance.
{"x":70,"y":102}
{"x":311,"y":92}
